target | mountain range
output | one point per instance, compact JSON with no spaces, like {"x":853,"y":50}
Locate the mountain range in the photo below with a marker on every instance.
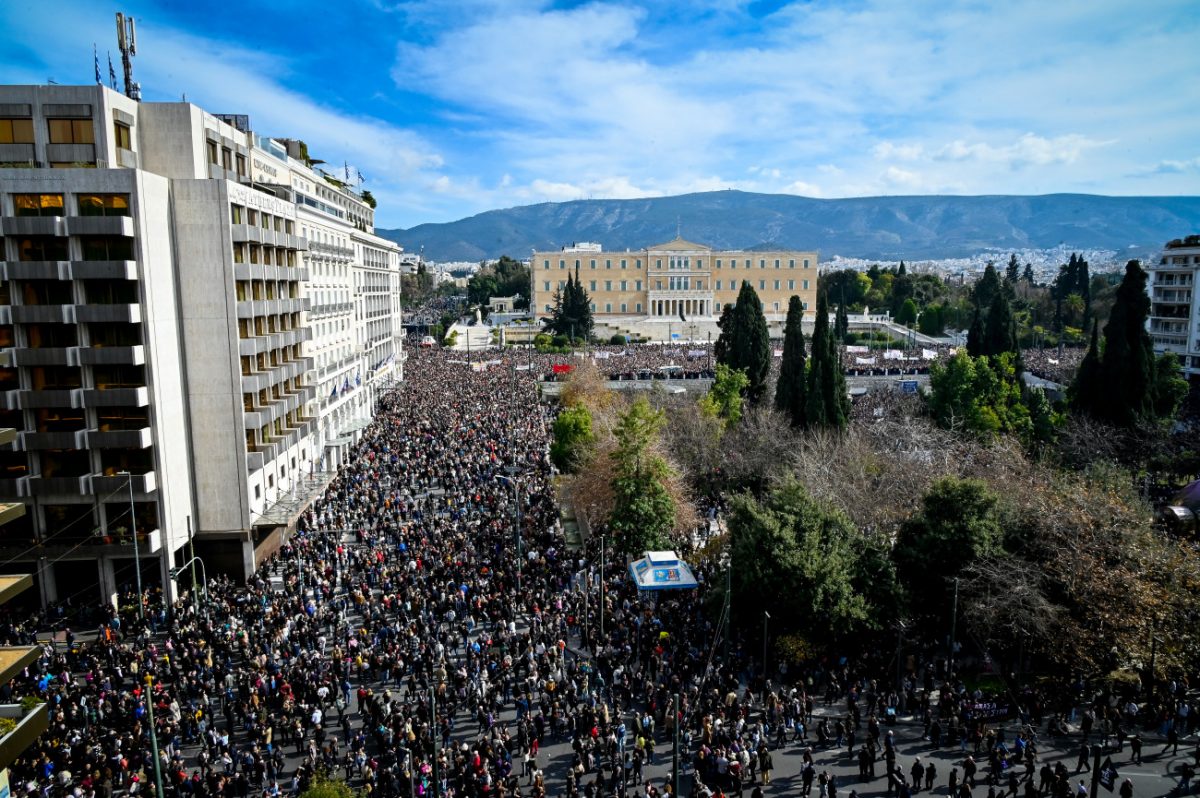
{"x":883,"y":228}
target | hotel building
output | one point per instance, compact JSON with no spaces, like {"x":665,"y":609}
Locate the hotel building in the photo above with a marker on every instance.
{"x":1175,"y":304}
{"x":155,"y":297}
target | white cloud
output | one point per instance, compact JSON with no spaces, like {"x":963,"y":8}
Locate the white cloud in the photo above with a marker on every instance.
{"x":1029,"y":149}
{"x":886,"y":150}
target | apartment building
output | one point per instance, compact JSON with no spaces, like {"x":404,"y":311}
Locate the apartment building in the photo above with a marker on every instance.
{"x":155,"y":300}
{"x":678,"y":278}
{"x":1174,"y":324}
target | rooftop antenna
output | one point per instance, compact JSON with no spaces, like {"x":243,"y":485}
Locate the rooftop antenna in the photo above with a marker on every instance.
{"x":127,"y":43}
{"x":679,"y":227}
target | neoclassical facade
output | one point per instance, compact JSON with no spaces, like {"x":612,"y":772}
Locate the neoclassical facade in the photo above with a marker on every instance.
{"x":677,"y":279}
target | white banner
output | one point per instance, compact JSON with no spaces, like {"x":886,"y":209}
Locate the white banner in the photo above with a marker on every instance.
{"x":778,"y":353}
{"x":893,"y":354}
{"x":603,"y":355}
{"x":864,"y":361}
{"x":857,"y":350}
{"x":929,"y":354}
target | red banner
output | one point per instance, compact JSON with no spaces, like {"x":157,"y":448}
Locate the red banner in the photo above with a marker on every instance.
{"x":561,"y":368}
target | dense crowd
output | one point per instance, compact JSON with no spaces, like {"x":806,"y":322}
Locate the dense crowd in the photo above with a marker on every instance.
{"x":413,"y":639}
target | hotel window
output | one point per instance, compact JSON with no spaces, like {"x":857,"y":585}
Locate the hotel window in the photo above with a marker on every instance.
{"x":103,"y":204}
{"x":71,"y":131}
{"x":16,"y":131}
{"x":252,"y":217}
{"x":241,"y":165}
{"x":791,"y":263}
{"x":42,"y":248}
{"x":212,"y":151}
{"x":791,"y":285}
{"x":239,"y":253}
{"x":227,"y":158}
{"x":106,"y":247}
{"x":38,"y":204}
{"x":122,"y":136}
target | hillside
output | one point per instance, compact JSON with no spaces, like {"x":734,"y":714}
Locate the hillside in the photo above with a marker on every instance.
{"x":918,"y":227}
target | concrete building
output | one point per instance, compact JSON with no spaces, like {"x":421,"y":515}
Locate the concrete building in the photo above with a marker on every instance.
{"x":155,"y":296}
{"x":1175,"y":304}
{"x":678,"y":278}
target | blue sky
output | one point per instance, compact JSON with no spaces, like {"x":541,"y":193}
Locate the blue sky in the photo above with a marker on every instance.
{"x":452,"y":108}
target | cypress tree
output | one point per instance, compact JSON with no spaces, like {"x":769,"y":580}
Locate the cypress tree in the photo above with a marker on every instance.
{"x":725,"y":325}
{"x":841,"y":323}
{"x":1000,"y":330}
{"x":1013,"y":270}
{"x":1027,"y":276}
{"x":985,"y":289}
{"x":827,"y":403}
{"x":1127,"y":378}
{"x":790,"y":389}
{"x":745,"y":342}
{"x":1085,"y":389}
{"x":975,"y":337}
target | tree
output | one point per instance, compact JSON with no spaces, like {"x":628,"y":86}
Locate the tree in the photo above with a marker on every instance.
{"x":1000,"y":330}
{"x":930,"y":321}
{"x":643,"y":510}
{"x":1126,"y":385}
{"x":799,"y":558}
{"x":985,"y":289}
{"x":505,"y":277}
{"x":1027,"y":275}
{"x":790,"y":389}
{"x":324,"y":787}
{"x":1085,"y":389}
{"x":572,"y":435}
{"x":724,"y":398}
{"x":979,"y":395}
{"x":1012,"y":271}
{"x":975,"y":339}
{"x":572,"y":314}
{"x":907,"y":315}
{"x":1170,"y":388}
{"x":725,"y":325}
{"x":827,"y":403}
{"x":841,"y":323}
{"x":957,"y":524}
{"x":745,"y":343}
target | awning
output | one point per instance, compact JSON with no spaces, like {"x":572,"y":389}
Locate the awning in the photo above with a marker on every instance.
{"x":291,"y":504}
{"x":333,"y":443}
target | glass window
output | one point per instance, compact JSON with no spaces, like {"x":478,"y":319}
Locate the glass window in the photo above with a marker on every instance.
{"x":791,"y":285}
{"x":791,"y":263}
{"x":38,"y":204}
{"x":103,"y":204}
{"x":806,"y":285}
{"x":241,"y":165}
{"x":608,"y":285}
{"x":718,"y":285}
{"x":762,"y":285}
{"x":776,"y":285}
{"x":777,"y":263}
{"x":608,"y":307}
{"x":16,"y":131}
{"x":624,"y":263}
{"x":235,"y":213}
{"x":71,"y":131}
{"x":212,"y":151}
{"x":106,"y":247}
{"x":122,"y":136}
{"x":806,"y":263}
{"x":42,"y":248}
{"x":639,"y":307}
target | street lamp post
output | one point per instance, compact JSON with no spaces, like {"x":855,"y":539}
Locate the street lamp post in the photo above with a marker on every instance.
{"x":175,"y":572}
{"x":158,"y":785}
{"x":766,"y":619}
{"x":953,"y":626}
{"x":408,"y":757}
{"x":517,"y":498}
{"x":137,"y":557}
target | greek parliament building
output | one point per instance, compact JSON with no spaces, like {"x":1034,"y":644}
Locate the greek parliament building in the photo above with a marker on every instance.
{"x":196,"y":327}
{"x":678,"y":278}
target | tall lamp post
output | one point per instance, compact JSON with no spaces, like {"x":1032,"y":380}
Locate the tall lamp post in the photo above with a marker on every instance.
{"x":511,"y":480}
{"x":158,"y":787}
{"x":766,"y":619}
{"x":137,"y":557}
{"x":175,"y":572}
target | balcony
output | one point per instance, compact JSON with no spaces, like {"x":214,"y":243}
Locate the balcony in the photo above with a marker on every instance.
{"x":34,"y":225}
{"x":43,"y":314}
{"x":60,"y":486}
{"x":142,"y":483}
{"x":14,"y":488}
{"x":32,"y":441}
{"x":242,"y":233}
{"x":100,"y":226}
{"x":126,"y":314}
{"x":104,"y":270}
{"x":30,"y":726}
{"x":142,"y":438}
{"x":46,"y":356}
{"x":50,"y":397}
{"x":112,"y":355}
{"x":115,"y":397}
{"x":36,"y":270}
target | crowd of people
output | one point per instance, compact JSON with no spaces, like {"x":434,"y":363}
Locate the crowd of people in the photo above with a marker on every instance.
{"x":428,"y":632}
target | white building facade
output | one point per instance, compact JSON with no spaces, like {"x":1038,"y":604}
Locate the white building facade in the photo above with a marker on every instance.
{"x":1174,"y":324}
{"x":169,"y":283}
